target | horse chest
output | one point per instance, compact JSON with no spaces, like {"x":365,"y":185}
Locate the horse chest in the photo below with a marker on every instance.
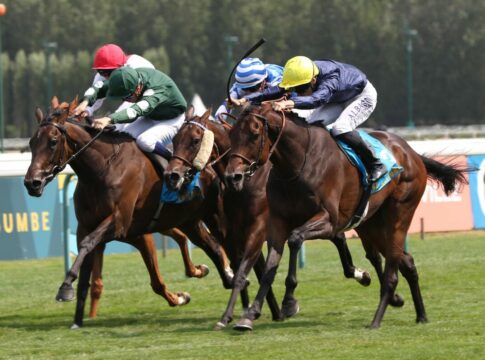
{"x":292,"y":200}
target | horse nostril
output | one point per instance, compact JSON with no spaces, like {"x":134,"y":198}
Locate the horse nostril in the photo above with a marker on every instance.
{"x":237,"y":177}
{"x":36,"y":184}
{"x":174,"y":177}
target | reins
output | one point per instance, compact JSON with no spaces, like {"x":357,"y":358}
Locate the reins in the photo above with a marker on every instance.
{"x":256,"y":164}
{"x":58,"y":168}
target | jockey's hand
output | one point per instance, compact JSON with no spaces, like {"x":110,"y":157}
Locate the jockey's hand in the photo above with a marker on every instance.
{"x":81,"y":109}
{"x":284,"y":105}
{"x":101,"y":123}
{"x":237,"y":102}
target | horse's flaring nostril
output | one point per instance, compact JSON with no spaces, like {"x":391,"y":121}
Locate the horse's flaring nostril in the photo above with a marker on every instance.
{"x":174,"y":177}
{"x":237,"y":177}
{"x":36,"y":184}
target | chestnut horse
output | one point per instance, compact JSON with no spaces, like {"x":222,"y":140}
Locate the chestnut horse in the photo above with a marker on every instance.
{"x":191,"y":270}
{"x":116,"y":197}
{"x":313,"y":191}
{"x":246,"y":210}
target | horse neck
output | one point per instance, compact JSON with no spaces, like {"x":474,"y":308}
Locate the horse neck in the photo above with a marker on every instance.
{"x":221,"y":138}
{"x":290,"y":153}
{"x":93,"y":161}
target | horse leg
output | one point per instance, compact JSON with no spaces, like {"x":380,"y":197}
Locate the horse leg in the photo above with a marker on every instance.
{"x":199,"y":235}
{"x":104,"y":232}
{"x":387,"y":290}
{"x":274,"y":307}
{"x":410,"y":273}
{"x":146,"y":246}
{"x":82,"y":291}
{"x":96,"y":279}
{"x":191,"y":270}
{"x":375,"y":259}
{"x":277,"y":235}
{"x":318,"y":227}
{"x":350,"y":271}
{"x":290,"y":305}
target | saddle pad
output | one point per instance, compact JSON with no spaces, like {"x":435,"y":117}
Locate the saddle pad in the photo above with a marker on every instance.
{"x":187,"y":193}
{"x":393,"y":169}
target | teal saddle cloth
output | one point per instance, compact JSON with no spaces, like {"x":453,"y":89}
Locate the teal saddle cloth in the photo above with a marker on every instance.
{"x":393,"y":169}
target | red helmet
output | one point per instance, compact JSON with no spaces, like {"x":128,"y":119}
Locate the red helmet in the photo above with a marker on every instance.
{"x":109,"y":56}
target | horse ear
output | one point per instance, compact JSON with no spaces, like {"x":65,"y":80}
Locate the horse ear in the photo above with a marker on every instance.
{"x":39,"y":115}
{"x":190,"y":113}
{"x":206,"y":115}
{"x":73,"y":105}
{"x":54,"y":102}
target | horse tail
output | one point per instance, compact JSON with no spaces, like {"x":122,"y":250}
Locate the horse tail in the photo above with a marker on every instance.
{"x":450,"y":176}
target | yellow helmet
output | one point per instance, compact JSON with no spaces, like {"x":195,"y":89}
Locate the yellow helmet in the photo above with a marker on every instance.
{"x":298,"y":70}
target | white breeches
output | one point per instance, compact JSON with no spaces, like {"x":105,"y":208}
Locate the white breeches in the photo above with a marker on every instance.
{"x":345,"y":117}
{"x":147,"y":131}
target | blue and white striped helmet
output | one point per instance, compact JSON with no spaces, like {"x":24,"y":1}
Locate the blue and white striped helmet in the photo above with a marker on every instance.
{"x":250,"y":72}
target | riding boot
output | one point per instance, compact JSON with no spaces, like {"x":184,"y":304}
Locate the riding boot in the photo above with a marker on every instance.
{"x":162,"y":151}
{"x":375,"y":168}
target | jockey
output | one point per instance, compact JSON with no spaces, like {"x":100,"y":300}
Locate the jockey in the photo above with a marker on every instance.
{"x":338,"y":93}
{"x":108,"y":58}
{"x":252,"y":76}
{"x":157,"y":108}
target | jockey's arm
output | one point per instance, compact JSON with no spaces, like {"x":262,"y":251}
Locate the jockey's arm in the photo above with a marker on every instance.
{"x":95,"y":92}
{"x":322,"y":94}
{"x":142,"y":107}
{"x":270,"y":93}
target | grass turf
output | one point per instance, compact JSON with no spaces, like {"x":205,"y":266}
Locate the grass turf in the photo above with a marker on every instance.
{"x":133,"y":322}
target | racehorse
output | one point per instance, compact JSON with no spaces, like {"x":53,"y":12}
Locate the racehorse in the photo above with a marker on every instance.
{"x":116,"y":197}
{"x":313,"y":191}
{"x":246,"y":210}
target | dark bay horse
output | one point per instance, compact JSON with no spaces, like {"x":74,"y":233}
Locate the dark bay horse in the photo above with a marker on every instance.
{"x":313,"y":191}
{"x":247,"y":211}
{"x":116,"y":197}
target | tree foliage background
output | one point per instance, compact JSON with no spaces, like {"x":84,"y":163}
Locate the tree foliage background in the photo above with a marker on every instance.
{"x":186,"y":39}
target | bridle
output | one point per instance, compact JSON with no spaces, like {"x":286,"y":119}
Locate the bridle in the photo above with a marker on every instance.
{"x":191,"y":170}
{"x":62,"y":129}
{"x":254,"y":165}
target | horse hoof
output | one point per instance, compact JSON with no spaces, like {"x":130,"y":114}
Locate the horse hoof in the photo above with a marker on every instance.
{"x":65,"y":293}
{"x":278,"y":317}
{"x":366,"y":279}
{"x":374,"y":326}
{"x":219,"y":326}
{"x":422,"y":320}
{"x":290,"y":309}
{"x":183,"y":298}
{"x":75,"y":327}
{"x":244,"y":325}
{"x":204,"y":270}
{"x":396,"y":301}
{"x":362,"y":277}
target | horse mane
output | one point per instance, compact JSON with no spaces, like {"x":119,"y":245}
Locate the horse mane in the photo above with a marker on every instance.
{"x":266,"y":106}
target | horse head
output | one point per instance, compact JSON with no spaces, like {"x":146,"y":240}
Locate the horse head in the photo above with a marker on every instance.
{"x":253,"y":140}
{"x":192,"y":147}
{"x":49,"y":146}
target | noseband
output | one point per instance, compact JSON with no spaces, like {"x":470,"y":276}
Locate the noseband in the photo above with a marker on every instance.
{"x":253,"y":166}
{"x":191,"y":171}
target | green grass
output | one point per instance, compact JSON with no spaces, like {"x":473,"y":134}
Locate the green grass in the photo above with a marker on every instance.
{"x":133,"y":322}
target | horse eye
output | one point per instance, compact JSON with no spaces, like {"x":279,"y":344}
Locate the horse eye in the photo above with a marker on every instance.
{"x":52,"y":142}
{"x":196,"y":141}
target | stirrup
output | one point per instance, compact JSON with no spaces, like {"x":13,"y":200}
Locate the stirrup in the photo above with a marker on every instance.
{"x":377,"y":172}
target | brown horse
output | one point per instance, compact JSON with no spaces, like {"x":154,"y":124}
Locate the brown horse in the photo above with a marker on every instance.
{"x":116,"y":197}
{"x":313,"y":191}
{"x":246,"y":210}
